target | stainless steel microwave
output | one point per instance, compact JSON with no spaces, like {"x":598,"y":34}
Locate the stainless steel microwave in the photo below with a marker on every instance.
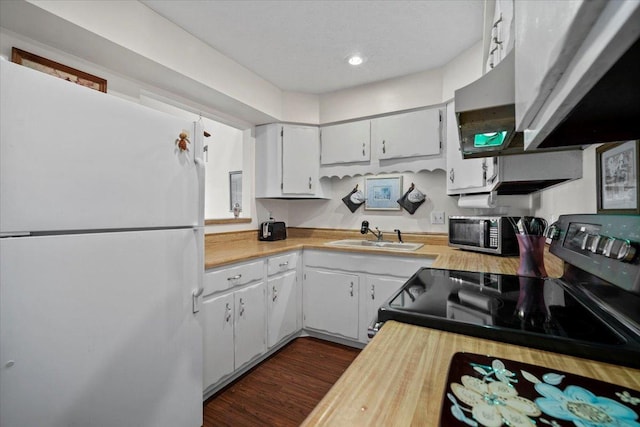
{"x":489,"y":234}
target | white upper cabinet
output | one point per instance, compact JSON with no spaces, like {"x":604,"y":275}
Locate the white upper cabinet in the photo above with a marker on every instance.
{"x":287,"y":161}
{"x":500,"y":34}
{"x":463,"y":175}
{"x":300,"y":159}
{"x":412,"y":134}
{"x":563,"y":49}
{"x":346,"y":143}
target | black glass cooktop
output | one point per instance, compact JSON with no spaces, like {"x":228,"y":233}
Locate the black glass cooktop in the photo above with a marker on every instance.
{"x":535,"y":312}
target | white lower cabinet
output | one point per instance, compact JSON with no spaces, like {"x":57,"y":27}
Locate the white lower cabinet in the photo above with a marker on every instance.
{"x":377,"y":290}
{"x":330,"y":302}
{"x":234,"y":331}
{"x":247,"y":308}
{"x":250,"y":308}
{"x":282,"y":307}
{"x":249,"y":328}
{"x":342,"y":291}
{"x":218,"y":320}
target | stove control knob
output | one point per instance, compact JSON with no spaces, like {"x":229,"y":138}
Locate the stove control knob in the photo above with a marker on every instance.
{"x":553,"y":232}
{"x":587,"y":241}
{"x":620,"y":249}
{"x":593,"y":243}
{"x":599,"y":244}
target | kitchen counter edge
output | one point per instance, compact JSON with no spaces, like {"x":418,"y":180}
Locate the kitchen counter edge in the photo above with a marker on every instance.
{"x":245,"y":246}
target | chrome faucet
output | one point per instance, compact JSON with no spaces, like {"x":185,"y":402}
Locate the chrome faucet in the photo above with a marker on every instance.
{"x":364,"y":229}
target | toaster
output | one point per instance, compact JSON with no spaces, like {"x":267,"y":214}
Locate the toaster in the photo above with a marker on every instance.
{"x":272,"y":230}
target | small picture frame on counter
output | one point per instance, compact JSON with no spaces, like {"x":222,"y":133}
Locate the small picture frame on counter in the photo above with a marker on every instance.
{"x":382,"y":193}
{"x":617,"y":178}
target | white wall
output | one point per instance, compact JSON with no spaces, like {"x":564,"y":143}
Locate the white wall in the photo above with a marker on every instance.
{"x":578,"y":196}
{"x":462,"y":70}
{"x":403,"y":93}
{"x":124,"y":22}
{"x":333,"y":213}
{"x":300,"y":108}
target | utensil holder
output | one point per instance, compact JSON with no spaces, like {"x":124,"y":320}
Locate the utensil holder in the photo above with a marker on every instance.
{"x":531,"y":255}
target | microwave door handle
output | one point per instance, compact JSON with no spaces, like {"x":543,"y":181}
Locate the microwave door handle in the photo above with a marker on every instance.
{"x":485,"y":233}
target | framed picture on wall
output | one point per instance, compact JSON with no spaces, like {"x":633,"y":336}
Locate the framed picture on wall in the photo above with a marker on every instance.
{"x":617,"y":177}
{"x":382,"y":193}
{"x":58,"y":70}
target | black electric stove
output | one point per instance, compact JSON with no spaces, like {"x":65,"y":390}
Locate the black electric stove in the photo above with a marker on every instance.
{"x":593,"y":311}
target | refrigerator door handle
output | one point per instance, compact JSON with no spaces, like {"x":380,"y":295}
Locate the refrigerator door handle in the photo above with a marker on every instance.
{"x":196,"y":295}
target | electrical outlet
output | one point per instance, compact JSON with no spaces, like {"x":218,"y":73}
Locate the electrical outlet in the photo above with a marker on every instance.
{"x":437,"y":217}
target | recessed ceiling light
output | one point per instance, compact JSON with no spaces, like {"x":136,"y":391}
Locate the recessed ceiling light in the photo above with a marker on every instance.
{"x":355,"y":60}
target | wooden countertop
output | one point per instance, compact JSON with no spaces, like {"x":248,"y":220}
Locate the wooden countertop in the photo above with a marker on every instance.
{"x":400,"y":377}
{"x":226,"y":248}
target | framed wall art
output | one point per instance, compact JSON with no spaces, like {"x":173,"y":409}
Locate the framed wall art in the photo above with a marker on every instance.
{"x":382,"y":193}
{"x":617,"y":177}
{"x":58,"y":70}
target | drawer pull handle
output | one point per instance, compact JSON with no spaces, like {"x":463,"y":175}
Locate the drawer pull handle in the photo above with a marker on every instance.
{"x":284,"y":264}
{"x":237,"y":276}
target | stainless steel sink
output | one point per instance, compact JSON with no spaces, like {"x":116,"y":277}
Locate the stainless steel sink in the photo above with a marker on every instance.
{"x":373,"y":244}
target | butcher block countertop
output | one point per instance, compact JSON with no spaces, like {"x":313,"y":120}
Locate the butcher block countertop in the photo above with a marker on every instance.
{"x":399,"y":378}
{"x":227,"y":248}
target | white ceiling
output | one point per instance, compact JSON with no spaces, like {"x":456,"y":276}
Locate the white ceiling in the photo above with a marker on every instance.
{"x":302,"y":46}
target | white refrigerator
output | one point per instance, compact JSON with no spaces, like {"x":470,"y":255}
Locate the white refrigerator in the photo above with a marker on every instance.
{"x":101,"y":259}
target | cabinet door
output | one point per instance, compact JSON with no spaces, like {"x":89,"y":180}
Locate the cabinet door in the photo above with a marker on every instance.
{"x":217,"y":318}
{"x":300,"y":159}
{"x":282,"y":301}
{"x":378,"y":290}
{"x":250,"y":323}
{"x":345,"y":143}
{"x":330,"y":302}
{"x":407,"y":135}
{"x":462,"y":174}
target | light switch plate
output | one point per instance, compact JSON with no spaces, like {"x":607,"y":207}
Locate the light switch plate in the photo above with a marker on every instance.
{"x":437,"y":217}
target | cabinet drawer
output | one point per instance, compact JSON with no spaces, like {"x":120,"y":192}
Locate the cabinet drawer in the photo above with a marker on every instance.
{"x":225,"y":278}
{"x":282,"y":263}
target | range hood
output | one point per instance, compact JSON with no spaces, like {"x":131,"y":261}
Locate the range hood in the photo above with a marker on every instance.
{"x":486,"y":115}
{"x":608,"y":112}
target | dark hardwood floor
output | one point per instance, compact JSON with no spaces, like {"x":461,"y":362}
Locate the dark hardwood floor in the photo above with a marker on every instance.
{"x":282,"y":390}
